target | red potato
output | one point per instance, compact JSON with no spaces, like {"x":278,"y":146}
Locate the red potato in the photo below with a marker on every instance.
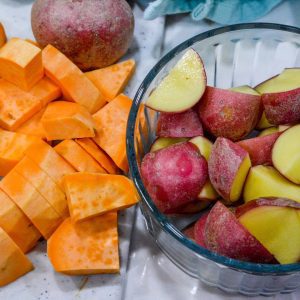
{"x":186,"y":124}
{"x":189,"y":232}
{"x":225,"y":235}
{"x":174,"y":176}
{"x":228,"y":113}
{"x":199,"y":230}
{"x":190,"y":208}
{"x":260,"y":148}
{"x":93,"y":34}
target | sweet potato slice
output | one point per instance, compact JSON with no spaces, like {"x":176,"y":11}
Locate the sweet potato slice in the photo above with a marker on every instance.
{"x":12,"y":149}
{"x":49,"y":161}
{"x":35,"y":43}
{"x":44,"y":184}
{"x":76,"y":87}
{"x":2,"y":35}
{"x":30,"y":201}
{"x":90,"y":194}
{"x":112,"y":80}
{"x":111,"y":131}
{"x":13,"y":262}
{"x":66,"y":120}
{"x":98,"y":154}
{"x":16,"y":224}
{"x":88,"y":247}
{"x":21,"y":63}
{"x":77,"y":157}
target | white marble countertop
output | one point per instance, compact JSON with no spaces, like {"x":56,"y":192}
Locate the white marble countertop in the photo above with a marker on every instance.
{"x":146,"y":274}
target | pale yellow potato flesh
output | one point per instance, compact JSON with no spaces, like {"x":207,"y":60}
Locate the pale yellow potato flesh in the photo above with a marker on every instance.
{"x":182,"y":88}
{"x":208,"y":192}
{"x":265,"y":181}
{"x":161,"y":143}
{"x":263,"y":122}
{"x":204,"y":145}
{"x":269,"y":131}
{"x":286,"y":154}
{"x":245,"y":89}
{"x":277,"y":229}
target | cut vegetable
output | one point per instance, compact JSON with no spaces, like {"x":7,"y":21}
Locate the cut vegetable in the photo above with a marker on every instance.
{"x":2,"y":35}
{"x":263,"y":122}
{"x":84,"y":248}
{"x":161,"y":143}
{"x":208,"y":192}
{"x":204,"y":145}
{"x":90,"y":195}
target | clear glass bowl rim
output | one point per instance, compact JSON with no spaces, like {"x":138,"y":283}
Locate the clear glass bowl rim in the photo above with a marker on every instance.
{"x":134,"y":169}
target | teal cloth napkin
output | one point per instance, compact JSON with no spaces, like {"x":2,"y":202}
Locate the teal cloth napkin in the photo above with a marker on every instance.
{"x":220,"y":11}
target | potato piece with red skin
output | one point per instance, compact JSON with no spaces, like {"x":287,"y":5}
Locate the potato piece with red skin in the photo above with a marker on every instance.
{"x":190,"y":208}
{"x":229,"y":114}
{"x":174,"y":176}
{"x":260,"y":148}
{"x":225,"y":235}
{"x":189,"y":232}
{"x":199,"y":230}
{"x":179,"y":125}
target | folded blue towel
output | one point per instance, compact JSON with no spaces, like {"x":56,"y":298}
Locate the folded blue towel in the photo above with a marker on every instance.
{"x":220,"y":11}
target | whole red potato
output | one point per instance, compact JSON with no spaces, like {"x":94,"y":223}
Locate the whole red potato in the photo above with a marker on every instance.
{"x":92,"y":33}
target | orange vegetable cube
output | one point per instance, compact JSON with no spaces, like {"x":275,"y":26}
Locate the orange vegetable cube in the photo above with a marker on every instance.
{"x":111,"y":123}
{"x":13,"y":262}
{"x":76,"y":87}
{"x":98,"y":154}
{"x":16,"y":224}
{"x":66,"y":120}
{"x":21,"y":63}
{"x":88,"y":247}
{"x":77,"y":157}
{"x":35,"y":43}
{"x":112,"y":80}
{"x":30,"y":201}
{"x":90,"y":195}
{"x":2,"y":35}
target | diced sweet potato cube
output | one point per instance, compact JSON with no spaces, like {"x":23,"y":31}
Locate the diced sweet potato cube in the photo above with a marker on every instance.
{"x":84,"y":248}
{"x":112,"y":80}
{"x":16,"y":224}
{"x":12,"y":149}
{"x":35,"y":43}
{"x":66,"y":120}
{"x":21,"y":63}
{"x":31,"y":202}
{"x":90,"y":195}
{"x":111,"y":123}
{"x":77,"y":157}
{"x":98,"y":154}
{"x":44,"y":184}
{"x":74,"y":84}
{"x":13,"y":262}
{"x":2,"y":35}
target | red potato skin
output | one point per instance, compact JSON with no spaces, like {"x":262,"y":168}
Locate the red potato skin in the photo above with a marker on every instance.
{"x":189,"y":232}
{"x":229,"y":114}
{"x":174,"y":176}
{"x":190,"y":208}
{"x":225,"y":235}
{"x":92,"y":33}
{"x":260,"y":148}
{"x":282,"y":108}
{"x":199,"y":230}
{"x":223,"y":164}
{"x":185,"y":124}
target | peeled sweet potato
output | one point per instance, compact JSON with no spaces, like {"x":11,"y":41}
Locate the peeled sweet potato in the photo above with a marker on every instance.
{"x":2,"y":35}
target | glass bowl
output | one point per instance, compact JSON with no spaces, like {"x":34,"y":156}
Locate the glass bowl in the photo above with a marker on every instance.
{"x":233,"y":55}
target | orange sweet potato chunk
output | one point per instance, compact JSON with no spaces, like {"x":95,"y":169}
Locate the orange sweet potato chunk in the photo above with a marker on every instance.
{"x":90,"y":195}
{"x":77,"y":157}
{"x":49,"y":161}
{"x":66,"y":120}
{"x":111,"y":123}
{"x":12,"y":149}
{"x":31,"y":202}
{"x":2,"y":35}
{"x":98,"y":154}
{"x":44,"y":184}
{"x":17,"y":225}
{"x":76,"y":87}
{"x":35,"y":43}
{"x":13,"y":262}
{"x":21,"y":63}
{"x":88,"y":247}
{"x":112,"y":80}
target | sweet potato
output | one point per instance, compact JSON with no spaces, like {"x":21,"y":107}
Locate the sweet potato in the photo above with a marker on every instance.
{"x":111,"y":131}
{"x":49,"y":161}
{"x":90,"y":195}
{"x":30,"y":201}
{"x":74,"y":84}
{"x":13,"y":262}
{"x":21,"y":63}
{"x":88,"y":247}
{"x":2,"y":35}
{"x":35,"y":43}
{"x":78,"y":158}
{"x":98,"y":154}
{"x":12,"y":149}
{"x":16,"y":224}
{"x":112,"y":80}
